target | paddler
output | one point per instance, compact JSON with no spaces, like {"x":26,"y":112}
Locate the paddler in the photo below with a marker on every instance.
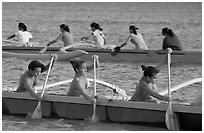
{"x":80,"y":82}
{"x":65,"y":36}
{"x":135,"y":38}
{"x":146,"y":90}
{"x":30,"y":78}
{"x":23,"y":35}
{"x":97,"y":37}
{"x":171,"y":40}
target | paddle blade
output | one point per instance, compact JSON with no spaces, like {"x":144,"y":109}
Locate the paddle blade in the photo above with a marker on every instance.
{"x":94,"y":118}
{"x":115,"y":51}
{"x":37,"y":114}
{"x":42,"y":51}
{"x":171,"y":120}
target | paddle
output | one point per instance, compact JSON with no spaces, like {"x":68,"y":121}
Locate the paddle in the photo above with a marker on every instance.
{"x":170,"y":118}
{"x":9,"y":41}
{"x":94,"y":117}
{"x":65,"y":48}
{"x":116,"y":50}
{"x":38,"y":113}
{"x":42,"y":51}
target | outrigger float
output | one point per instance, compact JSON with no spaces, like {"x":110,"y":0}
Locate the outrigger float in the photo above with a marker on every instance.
{"x":125,"y":55}
{"x":107,"y":110}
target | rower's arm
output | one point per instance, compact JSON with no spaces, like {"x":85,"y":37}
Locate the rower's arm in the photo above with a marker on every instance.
{"x":45,"y":68}
{"x":79,"y":86}
{"x":11,"y":36}
{"x":30,"y":89}
{"x":125,"y":43}
{"x":155,"y":94}
{"x":87,"y":37}
{"x":89,"y":68}
{"x":55,"y":40}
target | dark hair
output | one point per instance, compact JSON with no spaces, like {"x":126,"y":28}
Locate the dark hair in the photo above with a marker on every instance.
{"x":149,"y":71}
{"x":76,"y":63}
{"x":35,"y":64}
{"x":132,"y":27}
{"x":168,"y":32}
{"x":96,"y":26}
{"x":65,"y":27}
{"x":22,"y":26}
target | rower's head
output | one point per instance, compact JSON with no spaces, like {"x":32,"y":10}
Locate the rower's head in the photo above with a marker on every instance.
{"x":79,"y":66}
{"x":167,"y":31}
{"x":64,"y":27}
{"x":133,"y":29}
{"x":150,"y":73}
{"x":95,"y":26}
{"x":22,"y":26}
{"x":35,"y":68}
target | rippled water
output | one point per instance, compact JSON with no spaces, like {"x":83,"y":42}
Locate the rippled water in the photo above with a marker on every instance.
{"x":115,"y":18}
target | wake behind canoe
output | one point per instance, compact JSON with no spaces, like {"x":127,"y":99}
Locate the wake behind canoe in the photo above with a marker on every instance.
{"x":27,"y":56}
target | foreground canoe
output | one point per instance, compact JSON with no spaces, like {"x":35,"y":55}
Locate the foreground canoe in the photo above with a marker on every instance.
{"x":60,"y":56}
{"x":125,"y":55}
{"x":55,"y":106}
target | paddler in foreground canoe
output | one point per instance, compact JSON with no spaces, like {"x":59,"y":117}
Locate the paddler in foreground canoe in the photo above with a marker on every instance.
{"x":30,"y":78}
{"x":80,"y":82}
{"x":146,"y":90}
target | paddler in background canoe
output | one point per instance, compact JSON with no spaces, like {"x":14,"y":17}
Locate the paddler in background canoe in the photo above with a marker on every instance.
{"x":30,"y":78}
{"x":170,"y":40}
{"x":97,"y":37}
{"x":80,"y":81}
{"x":22,"y":35}
{"x":135,"y":38}
{"x":65,"y":36}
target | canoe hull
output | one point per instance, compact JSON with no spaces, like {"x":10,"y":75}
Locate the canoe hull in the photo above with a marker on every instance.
{"x":107,"y":110}
{"x":130,"y":56}
{"x":30,"y":56}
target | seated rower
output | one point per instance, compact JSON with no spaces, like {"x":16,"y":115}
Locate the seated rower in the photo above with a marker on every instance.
{"x":22,"y":35}
{"x":170,"y":40}
{"x":136,"y":39}
{"x":80,"y":82}
{"x":30,"y":78}
{"x":65,"y":36}
{"x":146,"y":89}
{"x":97,"y":35}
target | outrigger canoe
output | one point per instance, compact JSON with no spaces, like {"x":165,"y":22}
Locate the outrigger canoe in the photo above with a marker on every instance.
{"x":60,"y":56}
{"x":107,"y":110}
{"x":125,"y":55}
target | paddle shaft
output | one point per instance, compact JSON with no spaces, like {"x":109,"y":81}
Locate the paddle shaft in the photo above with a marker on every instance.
{"x":171,"y":120}
{"x":37,"y":112}
{"x":49,"y":69}
{"x":169,"y":75}
{"x":9,"y":41}
{"x":94,"y":92}
{"x":94,"y":117}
